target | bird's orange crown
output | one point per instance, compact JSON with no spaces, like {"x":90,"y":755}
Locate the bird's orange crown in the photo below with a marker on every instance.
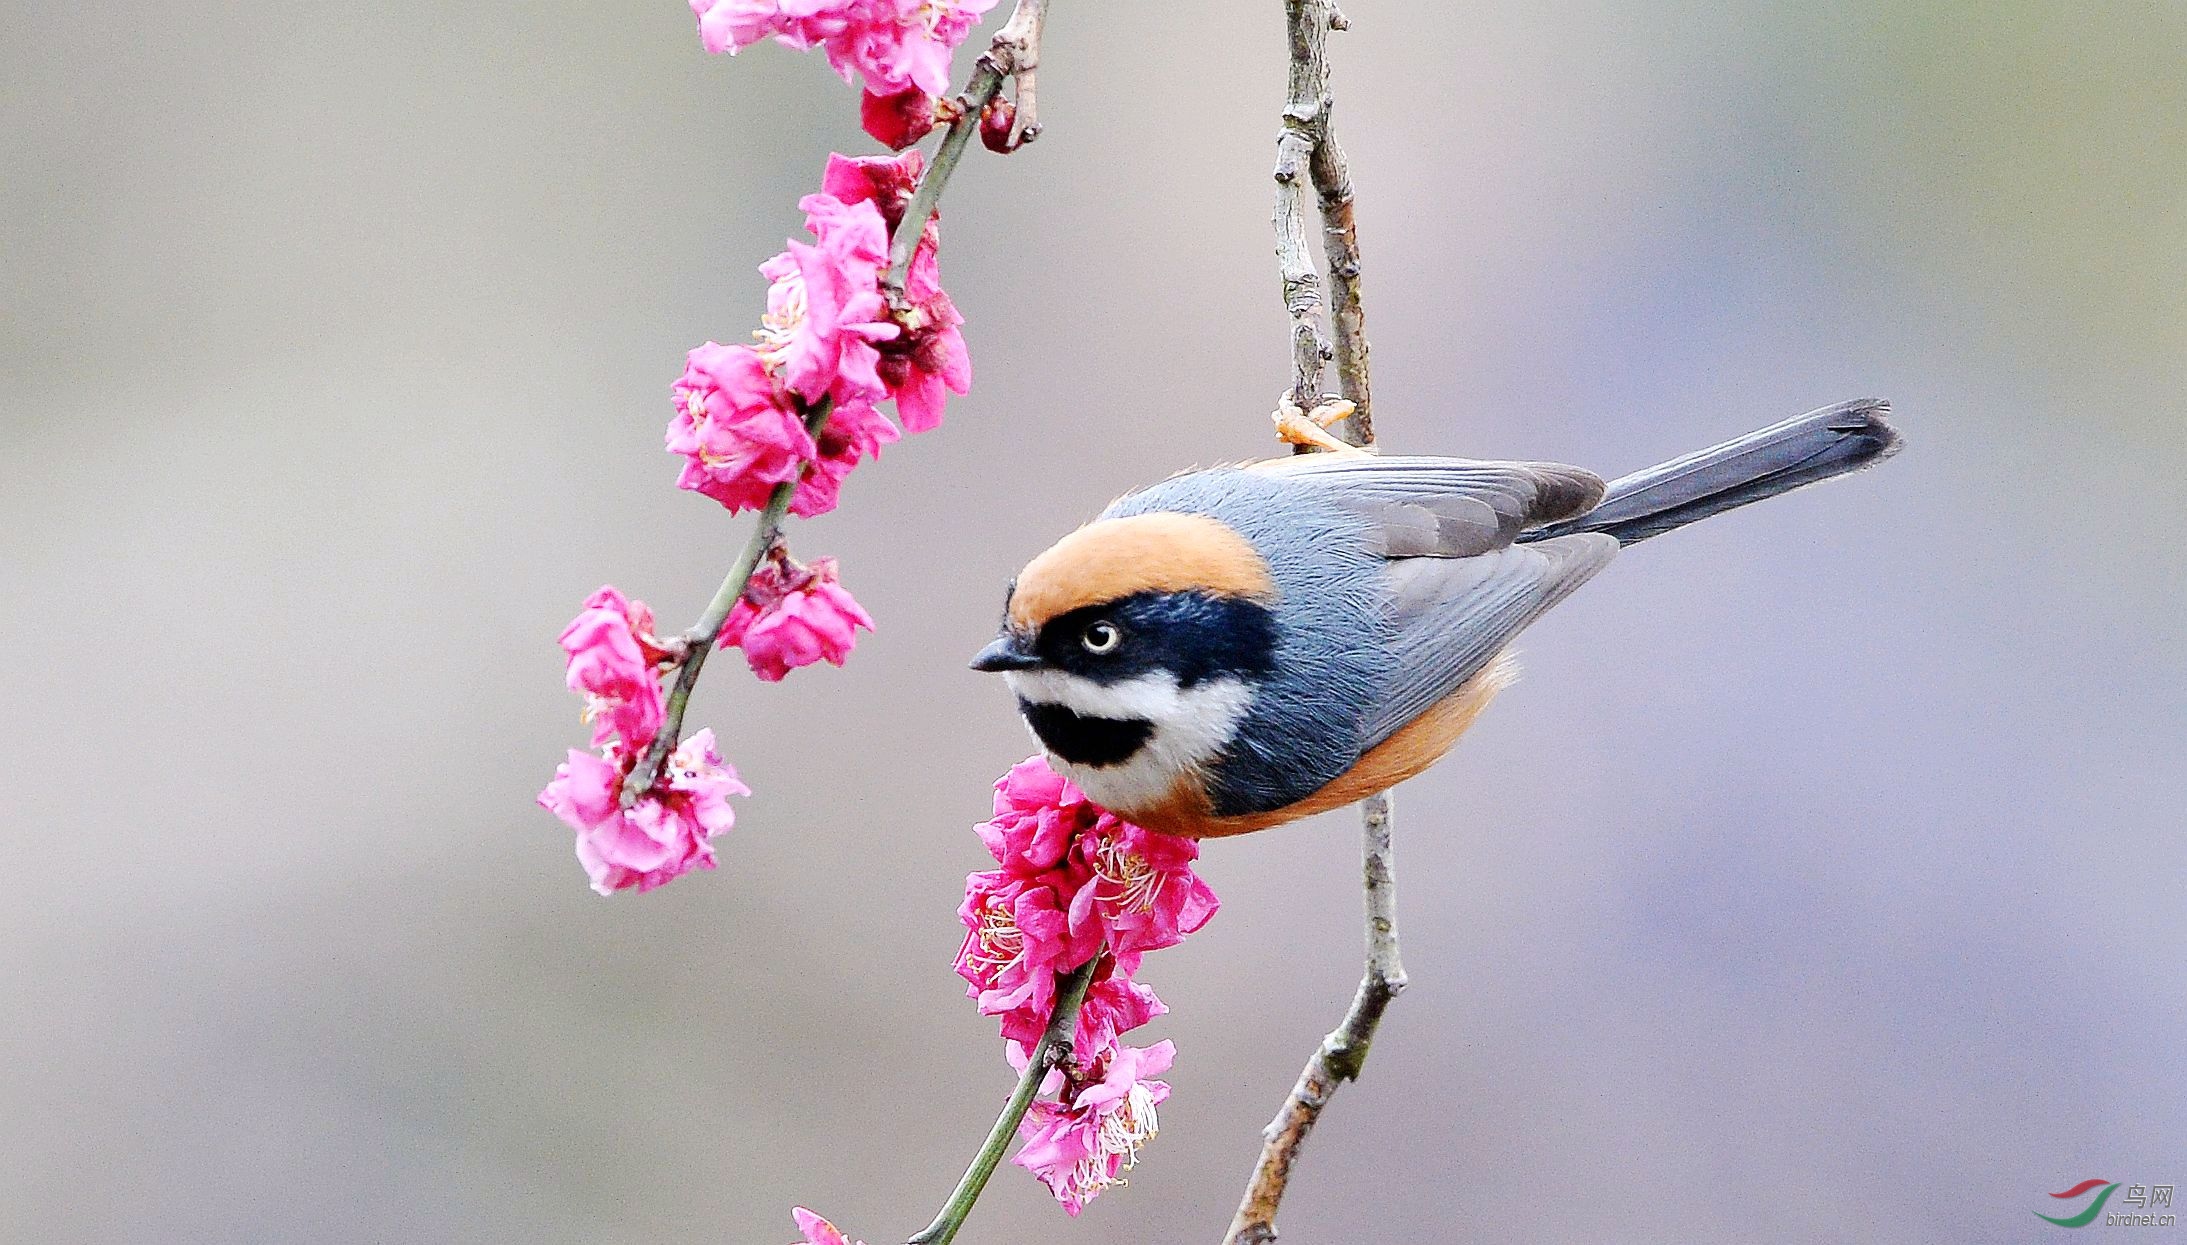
{"x":1109,"y":559}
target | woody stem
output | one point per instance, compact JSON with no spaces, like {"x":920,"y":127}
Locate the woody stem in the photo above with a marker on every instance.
{"x":1054,"y":1049}
{"x":699,"y":641}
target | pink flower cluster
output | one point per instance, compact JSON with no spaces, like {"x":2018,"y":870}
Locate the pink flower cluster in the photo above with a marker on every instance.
{"x":1076,"y":882}
{"x":666,"y":834}
{"x":614,"y":661}
{"x":799,"y":405}
{"x":901,"y":48}
{"x":790,"y":616}
{"x":612,"y":652}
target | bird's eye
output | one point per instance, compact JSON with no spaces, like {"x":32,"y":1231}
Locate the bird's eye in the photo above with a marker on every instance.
{"x":1101,"y":638}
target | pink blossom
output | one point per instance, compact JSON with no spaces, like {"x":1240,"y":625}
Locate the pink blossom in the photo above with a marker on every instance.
{"x":667,"y":833}
{"x":741,"y":436}
{"x":927,"y":362}
{"x":894,"y":44}
{"x":1017,"y":939}
{"x":1141,"y":893}
{"x":818,"y":1231}
{"x":897,"y":44}
{"x":824,"y":304}
{"x":887,"y":182}
{"x":612,"y":653}
{"x":1039,"y":814}
{"x":1077,"y":882}
{"x":732,"y":25}
{"x":855,"y":430}
{"x":793,"y":616}
{"x":1082,"y":1143}
{"x":897,"y":121}
{"x":1144,"y":895}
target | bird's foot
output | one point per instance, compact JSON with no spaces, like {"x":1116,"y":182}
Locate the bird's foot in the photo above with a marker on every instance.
{"x":1311,"y":428}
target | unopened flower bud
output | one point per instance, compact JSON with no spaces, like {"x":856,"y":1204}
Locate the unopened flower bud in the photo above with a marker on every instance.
{"x":996,"y":122}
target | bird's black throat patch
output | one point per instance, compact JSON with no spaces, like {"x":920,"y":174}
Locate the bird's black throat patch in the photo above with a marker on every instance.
{"x":1083,"y":740}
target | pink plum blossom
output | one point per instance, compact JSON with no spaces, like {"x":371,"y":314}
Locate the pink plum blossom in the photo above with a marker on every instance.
{"x":887,"y":182}
{"x":1077,"y":882}
{"x":1145,"y":895}
{"x":1017,"y":939}
{"x":1083,"y":1142}
{"x":792,"y":616}
{"x":927,"y":361}
{"x":897,"y":44}
{"x":1039,"y":814}
{"x":855,"y":430}
{"x":733,"y":25}
{"x":612,"y":653}
{"x":894,"y":45}
{"x":667,"y":833}
{"x":819,"y":1231}
{"x":1141,"y":893}
{"x":739,"y":434}
{"x":899,"y":120}
{"x":824,"y":304}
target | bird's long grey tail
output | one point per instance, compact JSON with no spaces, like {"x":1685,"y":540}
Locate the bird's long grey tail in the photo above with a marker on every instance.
{"x":1779,"y":458}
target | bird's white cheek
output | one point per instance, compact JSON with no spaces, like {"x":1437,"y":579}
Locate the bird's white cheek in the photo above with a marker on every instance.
{"x":1191,"y":726}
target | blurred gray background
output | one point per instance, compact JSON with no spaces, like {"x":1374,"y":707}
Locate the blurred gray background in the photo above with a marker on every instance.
{"x":1822,"y":881}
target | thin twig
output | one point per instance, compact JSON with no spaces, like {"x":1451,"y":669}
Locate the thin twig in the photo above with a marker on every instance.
{"x":1303,"y":116}
{"x":699,"y":641}
{"x":1022,"y":33}
{"x":1307,"y":136}
{"x":1014,"y":53}
{"x":1340,"y":241}
{"x":1054,"y":1050}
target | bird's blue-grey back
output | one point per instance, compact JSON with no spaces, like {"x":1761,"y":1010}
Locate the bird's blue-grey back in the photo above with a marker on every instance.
{"x":1397,"y":582}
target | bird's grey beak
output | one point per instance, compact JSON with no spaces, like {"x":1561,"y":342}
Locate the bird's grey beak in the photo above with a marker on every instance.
{"x":1005,"y":654}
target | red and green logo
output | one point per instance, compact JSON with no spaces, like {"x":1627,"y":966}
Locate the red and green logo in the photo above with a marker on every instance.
{"x":2088,"y":1214}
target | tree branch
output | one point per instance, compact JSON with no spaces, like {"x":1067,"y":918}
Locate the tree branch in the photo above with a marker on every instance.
{"x":1054,"y":1050}
{"x":1307,"y":139}
{"x":1304,"y":124}
{"x":1340,"y":242}
{"x":699,"y":641}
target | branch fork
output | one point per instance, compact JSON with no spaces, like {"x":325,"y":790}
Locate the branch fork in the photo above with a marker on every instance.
{"x":1015,"y":52}
{"x":1013,"y":56}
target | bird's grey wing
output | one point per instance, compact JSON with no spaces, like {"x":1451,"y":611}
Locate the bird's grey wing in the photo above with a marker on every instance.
{"x":1449,"y":617}
{"x":1444,"y":507}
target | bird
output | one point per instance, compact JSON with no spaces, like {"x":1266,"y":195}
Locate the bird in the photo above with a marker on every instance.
{"x":1238,"y":647}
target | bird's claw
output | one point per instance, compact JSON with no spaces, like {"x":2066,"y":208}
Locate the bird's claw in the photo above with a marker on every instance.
{"x":1311,"y":428}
